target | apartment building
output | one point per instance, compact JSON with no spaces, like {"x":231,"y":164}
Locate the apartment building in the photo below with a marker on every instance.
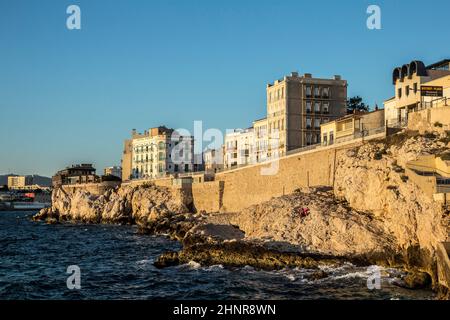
{"x":261,"y":140}
{"x":417,"y":87}
{"x":297,"y":106}
{"x":213,"y":160}
{"x":157,"y":153}
{"x":239,"y":148}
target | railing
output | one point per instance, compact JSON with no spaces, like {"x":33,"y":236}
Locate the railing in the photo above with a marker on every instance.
{"x":398,"y":124}
{"x":428,"y":171}
{"x":433,"y":103}
{"x":303,"y":149}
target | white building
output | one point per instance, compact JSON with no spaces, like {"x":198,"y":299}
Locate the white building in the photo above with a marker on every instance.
{"x":239,"y":148}
{"x":213,"y":159}
{"x":161,"y":151}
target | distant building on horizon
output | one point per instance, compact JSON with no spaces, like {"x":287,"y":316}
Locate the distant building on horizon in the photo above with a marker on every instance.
{"x":28,"y":182}
{"x":115,"y":171}
{"x":19,"y":182}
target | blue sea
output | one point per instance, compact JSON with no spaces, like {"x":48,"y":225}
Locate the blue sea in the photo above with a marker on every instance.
{"x":116,"y":262}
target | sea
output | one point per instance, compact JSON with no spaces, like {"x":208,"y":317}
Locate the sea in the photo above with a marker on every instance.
{"x":97,"y":262}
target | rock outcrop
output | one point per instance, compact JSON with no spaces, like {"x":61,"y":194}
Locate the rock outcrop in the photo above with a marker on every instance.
{"x":127,"y":204}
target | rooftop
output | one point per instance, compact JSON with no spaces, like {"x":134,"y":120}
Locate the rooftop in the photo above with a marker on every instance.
{"x":295,"y":75}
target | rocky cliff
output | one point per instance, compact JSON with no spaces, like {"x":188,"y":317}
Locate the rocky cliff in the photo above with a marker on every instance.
{"x":371,"y":214}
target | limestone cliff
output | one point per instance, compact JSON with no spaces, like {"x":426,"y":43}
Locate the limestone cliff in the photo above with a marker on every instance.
{"x":126,"y":204}
{"x":372,"y":178}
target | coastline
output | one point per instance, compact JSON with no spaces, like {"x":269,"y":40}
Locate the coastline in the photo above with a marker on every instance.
{"x":272,"y":235}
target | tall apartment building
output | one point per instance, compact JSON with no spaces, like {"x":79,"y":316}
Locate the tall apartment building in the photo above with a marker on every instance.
{"x":297,"y":106}
{"x":156,"y":153}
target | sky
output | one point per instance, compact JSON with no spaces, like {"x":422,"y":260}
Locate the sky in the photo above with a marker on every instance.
{"x":72,"y":96}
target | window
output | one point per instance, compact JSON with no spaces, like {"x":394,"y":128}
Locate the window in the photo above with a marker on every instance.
{"x":325,"y":139}
{"x":161,"y":145}
{"x":317,"y":92}
{"x":186,"y":167}
{"x":161,"y":156}
{"x":326,"y":107}
{"x":308,"y":139}
{"x":399,"y":93}
{"x":326,"y":93}
{"x":317,"y":107}
{"x":317,"y":123}
{"x":308,"y":123}
{"x":331,"y":137}
{"x":308,"y":106}
{"x":407,"y":90}
{"x":415,"y":88}
{"x":282,"y":93}
{"x":308,"y":92}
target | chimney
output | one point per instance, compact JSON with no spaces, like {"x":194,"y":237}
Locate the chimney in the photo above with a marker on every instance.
{"x":294,"y":74}
{"x":337,"y":77}
{"x":308,"y":75}
{"x":133,"y":132}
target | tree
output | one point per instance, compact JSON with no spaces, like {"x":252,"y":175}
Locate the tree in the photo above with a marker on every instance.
{"x":356,"y":104}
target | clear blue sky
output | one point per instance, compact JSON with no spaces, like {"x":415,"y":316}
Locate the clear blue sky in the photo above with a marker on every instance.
{"x":74,"y":96}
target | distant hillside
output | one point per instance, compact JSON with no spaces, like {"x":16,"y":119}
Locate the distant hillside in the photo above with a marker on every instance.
{"x":37,"y":179}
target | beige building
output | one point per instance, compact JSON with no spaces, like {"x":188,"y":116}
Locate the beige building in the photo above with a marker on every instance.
{"x":432,"y":174}
{"x":409,"y":80}
{"x":127,"y":160}
{"x":113,"y":171}
{"x":19,"y":182}
{"x":298,"y":105}
{"x":352,"y":126}
{"x":157,"y":153}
